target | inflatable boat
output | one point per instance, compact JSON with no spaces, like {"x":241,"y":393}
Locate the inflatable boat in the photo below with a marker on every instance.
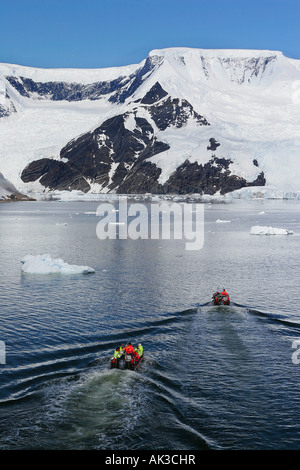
{"x":126,"y":361}
{"x":219,"y":299}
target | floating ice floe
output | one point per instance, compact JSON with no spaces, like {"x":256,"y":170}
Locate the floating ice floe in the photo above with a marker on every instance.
{"x":264,"y":230}
{"x":44,"y":264}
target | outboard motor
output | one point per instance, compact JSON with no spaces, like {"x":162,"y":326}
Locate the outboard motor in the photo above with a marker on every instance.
{"x":122,"y":363}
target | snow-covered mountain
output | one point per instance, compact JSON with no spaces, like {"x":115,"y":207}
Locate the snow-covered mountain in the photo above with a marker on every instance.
{"x":182,"y":121}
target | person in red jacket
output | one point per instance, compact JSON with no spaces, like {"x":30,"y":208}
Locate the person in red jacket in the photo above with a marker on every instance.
{"x":136,"y":357}
{"x":225,"y":294}
{"x":130,"y":349}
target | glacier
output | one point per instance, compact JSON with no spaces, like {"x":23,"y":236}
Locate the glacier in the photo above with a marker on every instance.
{"x":250,"y":98}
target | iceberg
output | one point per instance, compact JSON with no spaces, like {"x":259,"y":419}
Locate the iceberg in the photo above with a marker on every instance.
{"x":44,"y":264}
{"x":264,"y":230}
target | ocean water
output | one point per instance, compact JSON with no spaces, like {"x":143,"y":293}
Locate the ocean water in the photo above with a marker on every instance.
{"x":213,"y":377}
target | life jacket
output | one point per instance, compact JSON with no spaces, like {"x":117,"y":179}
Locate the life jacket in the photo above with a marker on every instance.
{"x":117,"y":354}
{"x":140,"y":350}
{"x":129,"y":349}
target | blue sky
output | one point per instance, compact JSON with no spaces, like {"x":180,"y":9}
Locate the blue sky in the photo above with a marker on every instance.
{"x":106,"y":33}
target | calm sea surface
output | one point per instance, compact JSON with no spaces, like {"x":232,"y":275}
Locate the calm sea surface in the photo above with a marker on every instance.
{"x":213,"y":377}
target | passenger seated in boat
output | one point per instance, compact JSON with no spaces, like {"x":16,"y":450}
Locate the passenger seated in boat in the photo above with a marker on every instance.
{"x":225,"y":293}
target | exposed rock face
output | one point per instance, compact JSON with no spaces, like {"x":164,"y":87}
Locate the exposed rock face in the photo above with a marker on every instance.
{"x":119,"y":89}
{"x":116,"y":154}
{"x":209,"y":178}
{"x":6,"y":105}
{"x":213,"y":144}
{"x":156,"y":93}
{"x":104,"y":156}
{"x":187,"y":179}
{"x":174,"y":112}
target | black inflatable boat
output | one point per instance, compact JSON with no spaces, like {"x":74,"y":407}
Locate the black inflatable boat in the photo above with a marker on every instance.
{"x":219,"y":299}
{"x":126,"y":361}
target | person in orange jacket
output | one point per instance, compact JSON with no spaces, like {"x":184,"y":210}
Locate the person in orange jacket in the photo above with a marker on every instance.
{"x":225,"y":294}
{"x":129,"y":349}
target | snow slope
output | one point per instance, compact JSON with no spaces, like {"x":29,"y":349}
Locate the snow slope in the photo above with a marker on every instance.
{"x":6,"y":188}
{"x":250,"y":98}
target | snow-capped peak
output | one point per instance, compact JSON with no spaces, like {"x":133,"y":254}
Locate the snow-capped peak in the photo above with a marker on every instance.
{"x":213,"y":53}
{"x":228,"y":66}
{"x":250,"y":98}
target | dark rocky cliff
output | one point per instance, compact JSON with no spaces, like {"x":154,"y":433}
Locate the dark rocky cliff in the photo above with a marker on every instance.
{"x":117,"y":156}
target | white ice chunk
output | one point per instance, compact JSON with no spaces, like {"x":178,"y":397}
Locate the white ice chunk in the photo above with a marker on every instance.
{"x":44,"y":264}
{"x":264,"y":230}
